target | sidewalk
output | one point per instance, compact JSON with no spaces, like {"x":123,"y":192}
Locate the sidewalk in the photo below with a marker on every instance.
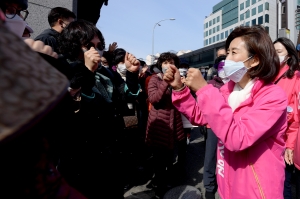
{"x":194,"y":165}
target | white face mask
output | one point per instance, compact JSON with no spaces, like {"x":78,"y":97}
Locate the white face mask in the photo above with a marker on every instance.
{"x":156,"y":70}
{"x":235,"y":70}
{"x":100,"y":52}
{"x":183,"y":71}
{"x":122,"y":69}
{"x":16,"y":25}
{"x":221,"y":74}
{"x":281,"y":58}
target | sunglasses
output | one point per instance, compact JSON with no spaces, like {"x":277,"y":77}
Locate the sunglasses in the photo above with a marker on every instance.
{"x":11,"y":11}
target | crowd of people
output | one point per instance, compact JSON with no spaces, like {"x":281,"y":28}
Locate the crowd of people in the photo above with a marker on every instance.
{"x":65,"y":95}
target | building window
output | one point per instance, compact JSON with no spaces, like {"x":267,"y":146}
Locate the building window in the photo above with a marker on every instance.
{"x":218,"y":19}
{"x":231,"y":29}
{"x":247,"y":14}
{"x":222,"y":35}
{"x":253,"y":2}
{"x":213,"y":39}
{"x":267,"y":6}
{"x":210,"y":32}
{"x":242,"y":17}
{"x":253,"y":11}
{"x":214,"y":21}
{"x":206,"y":25}
{"x":209,"y":23}
{"x":209,"y":40}
{"x":260,"y":20}
{"x":218,"y":28}
{"x":247,"y":23}
{"x":218,"y":37}
{"x":266,"y":18}
{"x":260,"y":9}
{"x":247,"y":3}
{"x":253,"y":22}
{"x":206,"y":42}
{"x":267,"y":29}
{"x":214,"y":30}
{"x":242,"y":6}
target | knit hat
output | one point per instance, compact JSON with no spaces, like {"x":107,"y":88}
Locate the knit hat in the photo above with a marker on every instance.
{"x":22,"y":3}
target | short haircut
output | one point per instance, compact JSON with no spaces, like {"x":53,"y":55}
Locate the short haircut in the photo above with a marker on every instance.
{"x":118,"y":56}
{"x":77,"y":34}
{"x":59,"y":13}
{"x":222,"y":48}
{"x":293,"y":62}
{"x":167,"y":56}
{"x":259,"y":45}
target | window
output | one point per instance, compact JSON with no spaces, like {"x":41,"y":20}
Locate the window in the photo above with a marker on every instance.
{"x":247,"y":23}
{"x":210,"y":32}
{"x":260,"y":20}
{"x":267,"y":18}
{"x":242,"y":6}
{"x":218,"y":19}
{"x":226,"y":33}
{"x":231,"y":30}
{"x":283,"y":10}
{"x":209,"y":40}
{"x":206,"y":42}
{"x":214,"y":30}
{"x":253,"y":11}
{"x":253,"y":2}
{"x":247,"y":3}
{"x":267,"y":6}
{"x":260,"y":9}
{"x":206,"y":25}
{"x":217,"y":37}
{"x":267,"y":29}
{"x":209,"y":23}
{"x":253,"y":22}
{"x":218,"y":28}
{"x":247,"y":14}
{"x":242,"y":17}
{"x":222,"y":35}
{"x":214,"y":21}
{"x":213,"y":39}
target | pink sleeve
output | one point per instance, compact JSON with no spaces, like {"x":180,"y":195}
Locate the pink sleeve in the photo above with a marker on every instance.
{"x":237,"y":133}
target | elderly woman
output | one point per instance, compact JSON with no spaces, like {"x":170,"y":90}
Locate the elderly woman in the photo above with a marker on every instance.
{"x":248,"y":115}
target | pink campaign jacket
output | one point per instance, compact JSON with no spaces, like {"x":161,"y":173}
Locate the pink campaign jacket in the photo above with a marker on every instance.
{"x":292,"y":90}
{"x":250,"y":150}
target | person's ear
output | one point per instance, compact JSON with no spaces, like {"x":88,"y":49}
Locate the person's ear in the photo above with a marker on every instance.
{"x":61,"y":23}
{"x":254,"y":62}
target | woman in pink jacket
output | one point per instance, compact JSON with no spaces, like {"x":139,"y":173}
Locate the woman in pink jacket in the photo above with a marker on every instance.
{"x":289,"y":79}
{"x":248,"y":115}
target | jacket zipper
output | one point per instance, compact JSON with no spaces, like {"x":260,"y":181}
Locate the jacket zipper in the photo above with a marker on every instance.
{"x":257,"y":181}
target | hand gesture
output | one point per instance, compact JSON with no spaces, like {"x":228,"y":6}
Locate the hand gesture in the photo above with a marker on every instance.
{"x":132,"y":63}
{"x":39,"y":46}
{"x":194,"y":79}
{"x":112,"y":47}
{"x":91,"y":58}
{"x":172,"y":77}
{"x":288,"y":156}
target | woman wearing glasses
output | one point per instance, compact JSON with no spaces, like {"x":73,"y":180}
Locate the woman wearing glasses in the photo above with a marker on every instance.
{"x":91,"y":154}
{"x":16,"y":13}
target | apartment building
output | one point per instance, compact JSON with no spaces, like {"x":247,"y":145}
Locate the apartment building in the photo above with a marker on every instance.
{"x":228,"y":14}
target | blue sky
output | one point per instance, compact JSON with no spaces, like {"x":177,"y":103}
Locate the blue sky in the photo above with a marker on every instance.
{"x":131,"y":22}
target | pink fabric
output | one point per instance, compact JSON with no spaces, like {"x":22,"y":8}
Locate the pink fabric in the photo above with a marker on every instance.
{"x":250,"y":150}
{"x":292,"y":89}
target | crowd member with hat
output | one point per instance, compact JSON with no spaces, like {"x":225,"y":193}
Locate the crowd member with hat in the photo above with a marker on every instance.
{"x":33,"y":105}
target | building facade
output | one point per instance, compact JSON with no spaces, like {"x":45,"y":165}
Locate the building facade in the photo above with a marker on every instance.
{"x":228,"y":14}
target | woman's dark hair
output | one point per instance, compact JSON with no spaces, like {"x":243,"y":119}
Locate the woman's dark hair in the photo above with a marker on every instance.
{"x":118,"y":56}
{"x":167,"y":56}
{"x":259,"y":45}
{"x":293,"y":61}
{"x":77,"y":34}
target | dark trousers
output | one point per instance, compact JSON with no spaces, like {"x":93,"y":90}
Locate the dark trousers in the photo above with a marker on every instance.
{"x":210,"y":161}
{"x":297,"y":175}
{"x":291,"y":172}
